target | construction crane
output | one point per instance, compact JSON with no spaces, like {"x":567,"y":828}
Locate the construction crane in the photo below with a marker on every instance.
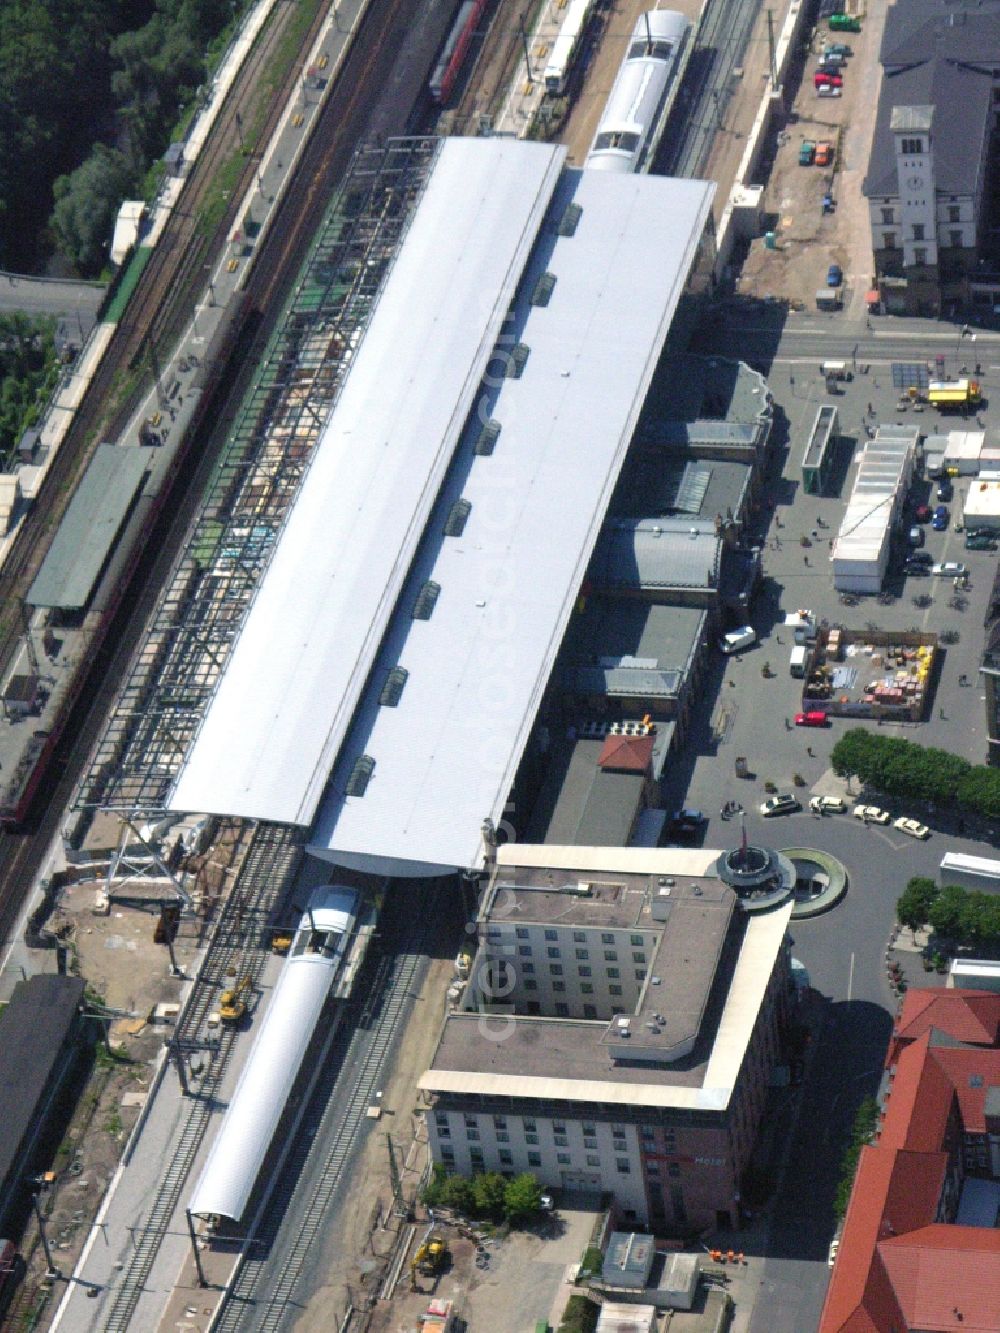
{"x":232,"y":1004}
{"x":429,"y":1257}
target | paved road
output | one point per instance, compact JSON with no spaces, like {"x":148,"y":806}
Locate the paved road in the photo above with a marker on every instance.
{"x":77,"y":301}
{"x":745,"y":715}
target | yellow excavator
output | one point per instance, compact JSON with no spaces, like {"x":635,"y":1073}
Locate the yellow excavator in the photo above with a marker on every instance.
{"x":281,"y":940}
{"x":429,"y":1257}
{"x":232,"y":1004}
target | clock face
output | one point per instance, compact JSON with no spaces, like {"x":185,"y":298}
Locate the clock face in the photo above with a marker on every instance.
{"x":915,"y":182}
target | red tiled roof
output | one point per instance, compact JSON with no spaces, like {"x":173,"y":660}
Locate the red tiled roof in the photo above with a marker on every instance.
{"x":895,"y":1193}
{"x":920,"y":1101}
{"x":946,"y":1277}
{"x":966,"y":1015}
{"x":628,"y":754}
{"x":971,"y":1072}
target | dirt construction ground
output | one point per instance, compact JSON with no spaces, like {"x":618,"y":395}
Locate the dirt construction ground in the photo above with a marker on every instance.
{"x":808,"y":241}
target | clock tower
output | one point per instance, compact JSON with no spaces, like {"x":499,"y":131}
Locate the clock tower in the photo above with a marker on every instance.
{"x":913,"y":141}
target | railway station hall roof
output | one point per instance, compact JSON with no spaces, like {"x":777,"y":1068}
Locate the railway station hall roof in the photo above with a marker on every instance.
{"x":281,"y":711}
{"x":86,"y":536}
{"x":424,"y":767}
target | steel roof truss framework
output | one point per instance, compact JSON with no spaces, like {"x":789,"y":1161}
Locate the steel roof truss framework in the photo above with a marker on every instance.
{"x":187,"y":643}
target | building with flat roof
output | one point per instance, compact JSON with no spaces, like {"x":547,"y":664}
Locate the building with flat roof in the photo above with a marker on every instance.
{"x":920,"y":1248}
{"x":387,"y":678}
{"x":617,"y":1033}
{"x":39,"y":1044}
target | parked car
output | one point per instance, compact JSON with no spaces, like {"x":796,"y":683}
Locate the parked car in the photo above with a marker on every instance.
{"x":871,"y":814}
{"x":834,"y":275}
{"x":686,"y":822}
{"x":915,"y":536}
{"x":911,"y":826}
{"x":830,"y":60}
{"x":738,"y":639}
{"x":783,"y":804}
{"x":980,"y":541}
{"x":815,"y":718}
{"x":844,"y":23}
{"x":827,"y":90}
{"x":949,"y":569}
{"x":920,"y":558}
{"x":824,"y":80}
{"x":824,"y":153}
{"x":807,"y":153}
{"x":940,"y":520}
{"x":827,"y":805}
{"x":837,"y":49}
{"x":945,"y":490}
{"x":916,"y":568}
{"x":923,"y":513}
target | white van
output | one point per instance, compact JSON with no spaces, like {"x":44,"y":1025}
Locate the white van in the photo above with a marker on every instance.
{"x":798,"y":660}
{"x":835,"y":370}
{"x":738,"y":639}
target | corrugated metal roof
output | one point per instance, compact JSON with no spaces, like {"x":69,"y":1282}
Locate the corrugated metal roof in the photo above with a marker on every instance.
{"x":90,"y":525}
{"x":281,"y":711}
{"x":658,"y":553}
{"x":447,"y":756}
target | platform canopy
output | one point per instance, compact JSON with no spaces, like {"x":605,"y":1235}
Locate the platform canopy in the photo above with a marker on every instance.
{"x":280,"y":714}
{"x":86,"y":536}
{"x":435,"y":747}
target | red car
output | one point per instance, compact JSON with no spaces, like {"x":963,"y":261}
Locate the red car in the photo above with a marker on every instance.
{"x":823,"y":80}
{"x":923,"y":513}
{"x":814,"y":719}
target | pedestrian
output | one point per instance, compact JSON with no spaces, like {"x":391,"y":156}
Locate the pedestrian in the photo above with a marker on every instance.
{"x":805,"y":560}
{"x":941,"y":715}
{"x":809,"y":751}
{"x":788,"y":725}
{"x":871,"y":410}
{"x":777,"y":542}
{"x":791,"y":381}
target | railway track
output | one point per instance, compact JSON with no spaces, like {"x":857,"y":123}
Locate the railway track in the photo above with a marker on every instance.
{"x":159,"y":307}
{"x":237,"y":946}
{"x":262,"y":1292}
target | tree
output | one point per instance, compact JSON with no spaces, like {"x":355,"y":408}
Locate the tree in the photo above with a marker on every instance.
{"x":86,"y":204}
{"x":522,"y":1196}
{"x":862,"y":1132}
{"x":979,"y":791}
{"x":915,"y":902}
{"x":488,"y":1191}
{"x":946,"y":912}
{"x":457,"y":1193}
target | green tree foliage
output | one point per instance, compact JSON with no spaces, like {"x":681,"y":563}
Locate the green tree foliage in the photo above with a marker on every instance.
{"x":28,"y":369}
{"x":488,"y":1193}
{"x":863,"y":1131}
{"x":78,"y":72}
{"x":86,"y":203}
{"x":915,"y":902}
{"x":456,"y":1192}
{"x":580,"y":1316}
{"x":522,"y":1196}
{"x":906,"y":770}
{"x":947,"y":910}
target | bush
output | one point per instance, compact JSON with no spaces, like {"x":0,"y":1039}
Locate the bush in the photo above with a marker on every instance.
{"x":580,"y":1316}
{"x":865,"y":1124}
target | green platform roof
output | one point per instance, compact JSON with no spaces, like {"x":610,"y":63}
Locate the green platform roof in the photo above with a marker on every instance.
{"x":89,"y":528}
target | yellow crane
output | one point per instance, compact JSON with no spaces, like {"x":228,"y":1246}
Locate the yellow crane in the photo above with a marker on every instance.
{"x":232,"y":1004}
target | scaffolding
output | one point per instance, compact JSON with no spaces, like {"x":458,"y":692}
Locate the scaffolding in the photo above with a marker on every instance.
{"x":199,"y":615}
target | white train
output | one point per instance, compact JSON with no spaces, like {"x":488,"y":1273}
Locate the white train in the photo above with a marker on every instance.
{"x":644,"y":82}
{"x":566,"y":46}
{"x":245,"y":1135}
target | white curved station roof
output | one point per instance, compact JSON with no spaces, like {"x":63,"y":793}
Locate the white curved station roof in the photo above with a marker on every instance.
{"x":249,"y":1125}
{"x":446,"y":755}
{"x":272,"y":732}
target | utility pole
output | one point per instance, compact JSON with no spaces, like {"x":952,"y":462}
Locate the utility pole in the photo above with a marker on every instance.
{"x":772,"y":69}
{"x":53,"y":1272}
{"x":202,"y":1280}
{"x":522,"y":30}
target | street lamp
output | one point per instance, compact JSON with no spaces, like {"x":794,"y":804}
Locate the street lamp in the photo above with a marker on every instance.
{"x":40,"y":1183}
